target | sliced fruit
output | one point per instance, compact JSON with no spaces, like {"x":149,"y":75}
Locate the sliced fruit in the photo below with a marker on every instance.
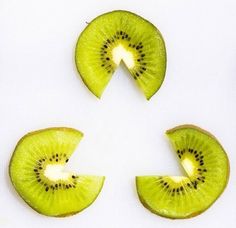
{"x":37,"y":172}
{"x":121,"y":36}
{"x":207,"y":171}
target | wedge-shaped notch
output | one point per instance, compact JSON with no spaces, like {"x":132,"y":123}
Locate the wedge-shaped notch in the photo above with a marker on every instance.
{"x":37,"y":173}
{"x":207,"y":171}
{"x":121,"y":36}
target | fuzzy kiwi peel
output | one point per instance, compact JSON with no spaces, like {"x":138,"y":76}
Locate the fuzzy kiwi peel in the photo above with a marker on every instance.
{"x":121,"y":36}
{"x":37,"y":173}
{"x":207,"y":172}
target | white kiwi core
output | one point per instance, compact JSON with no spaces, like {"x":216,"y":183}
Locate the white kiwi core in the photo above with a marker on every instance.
{"x":178,"y":179}
{"x":120,"y":53}
{"x":56,"y":172}
{"x":188,"y":166}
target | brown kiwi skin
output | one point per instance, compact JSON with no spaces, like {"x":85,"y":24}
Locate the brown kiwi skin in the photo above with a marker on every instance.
{"x":198,"y":212}
{"x":88,"y":24}
{"x":36,"y":132}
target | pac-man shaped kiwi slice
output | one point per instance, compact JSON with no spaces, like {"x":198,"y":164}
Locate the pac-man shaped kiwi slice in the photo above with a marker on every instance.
{"x":207,"y":171}
{"x":121,"y":36}
{"x":37,"y":173}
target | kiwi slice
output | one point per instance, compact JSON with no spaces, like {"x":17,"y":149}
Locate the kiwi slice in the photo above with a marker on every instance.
{"x":37,"y":172}
{"x":207,"y":170}
{"x":121,"y":36}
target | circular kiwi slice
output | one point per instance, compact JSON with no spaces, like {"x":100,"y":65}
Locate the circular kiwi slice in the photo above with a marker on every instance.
{"x":207,"y":170}
{"x":121,"y":36}
{"x":37,"y":173}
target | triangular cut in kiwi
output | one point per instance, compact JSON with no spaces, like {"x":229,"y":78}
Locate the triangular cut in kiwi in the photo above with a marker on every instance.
{"x":207,"y":170}
{"x":121,"y":36}
{"x":37,"y":172}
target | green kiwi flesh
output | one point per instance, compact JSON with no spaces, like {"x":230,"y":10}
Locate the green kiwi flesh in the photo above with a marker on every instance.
{"x":37,"y":172}
{"x":207,"y":170}
{"x":121,"y":36}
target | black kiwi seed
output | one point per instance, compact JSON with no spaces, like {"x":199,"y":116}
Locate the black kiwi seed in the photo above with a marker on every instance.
{"x":67,"y":160}
{"x":46,"y":189}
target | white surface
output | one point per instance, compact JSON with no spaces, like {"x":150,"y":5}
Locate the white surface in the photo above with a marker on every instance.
{"x":124,"y":133}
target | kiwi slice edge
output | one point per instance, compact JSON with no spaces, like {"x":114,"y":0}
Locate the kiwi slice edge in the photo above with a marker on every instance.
{"x":90,"y":185}
{"x":151,"y":198}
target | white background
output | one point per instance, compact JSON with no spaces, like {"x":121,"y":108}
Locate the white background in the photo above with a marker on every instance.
{"x":124,"y":133}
